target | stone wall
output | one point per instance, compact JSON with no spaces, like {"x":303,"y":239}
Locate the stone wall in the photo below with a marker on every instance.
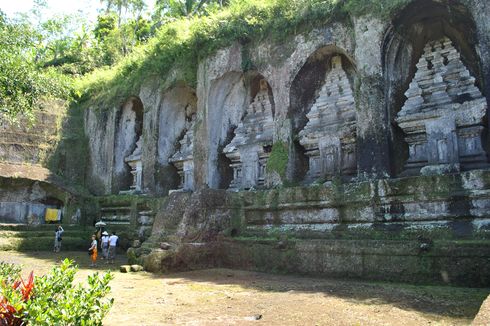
{"x":31,"y":141}
{"x":24,"y":198}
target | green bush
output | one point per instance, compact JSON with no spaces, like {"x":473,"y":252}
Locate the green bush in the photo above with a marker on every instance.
{"x":53,"y":299}
{"x":9,"y":272}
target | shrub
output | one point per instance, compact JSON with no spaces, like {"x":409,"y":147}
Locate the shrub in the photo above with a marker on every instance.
{"x":53,"y":299}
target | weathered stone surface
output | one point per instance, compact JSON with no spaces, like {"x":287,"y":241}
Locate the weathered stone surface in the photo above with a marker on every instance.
{"x":443,"y":115}
{"x":251,"y":146}
{"x":134,"y":162}
{"x":136,"y":244}
{"x":125,"y":268}
{"x":145,"y":219}
{"x":156,"y":261}
{"x":31,"y":140}
{"x":136,"y":268}
{"x":165,"y":245}
{"x":183,"y":159}
{"x":330,"y":134}
{"x":128,"y":132}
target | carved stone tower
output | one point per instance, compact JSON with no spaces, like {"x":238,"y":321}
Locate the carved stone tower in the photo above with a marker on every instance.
{"x":183,"y":159}
{"x":443,"y":116}
{"x":250,"y":148}
{"x":329,"y":137}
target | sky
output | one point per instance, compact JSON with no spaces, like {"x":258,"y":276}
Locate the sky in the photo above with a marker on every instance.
{"x":87,"y":7}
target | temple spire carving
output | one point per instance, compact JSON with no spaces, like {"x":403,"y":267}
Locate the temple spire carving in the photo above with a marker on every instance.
{"x":442,"y":117}
{"x":249,"y":150}
{"x":329,"y":136}
{"x":183,"y":159}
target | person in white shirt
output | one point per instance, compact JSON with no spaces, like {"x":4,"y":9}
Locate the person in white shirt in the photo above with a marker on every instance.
{"x":57,"y":238}
{"x":104,"y":244}
{"x":113,"y":240}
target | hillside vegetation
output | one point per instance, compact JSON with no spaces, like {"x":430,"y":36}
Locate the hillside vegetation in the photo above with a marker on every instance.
{"x":181,"y":43}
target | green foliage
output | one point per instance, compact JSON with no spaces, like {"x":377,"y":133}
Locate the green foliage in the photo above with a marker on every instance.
{"x":57,"y":301}
{"x":22,"y":83}
{"x":379,"y":8}
{"x":278,"y":160}
{"x":9,"y":272}
{"x":53,"y":299}
{"x":180,"y":44}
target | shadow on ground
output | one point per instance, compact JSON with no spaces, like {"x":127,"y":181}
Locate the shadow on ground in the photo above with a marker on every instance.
{"x":440,"y":300}
{"x":446,"y":302}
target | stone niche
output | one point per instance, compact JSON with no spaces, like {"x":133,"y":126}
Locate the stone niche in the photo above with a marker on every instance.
{"x":226,"y":104}
{"x":418,"y":23}
{"x":183,"y":159}
{"x":175,"y":140}
{"x":128,"y":146}
{"x":250,"y":149}
{"x":442,"y":118}
{"x":329,"y":136}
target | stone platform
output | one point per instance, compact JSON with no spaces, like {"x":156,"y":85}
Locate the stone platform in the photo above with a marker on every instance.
{"x":426,"y":229}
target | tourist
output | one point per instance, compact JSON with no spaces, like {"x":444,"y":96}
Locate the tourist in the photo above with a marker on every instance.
{"x":113,"y":241}
{"x":58,"y":232}
{"x":93,"y":251}
{"x":104,"y":244}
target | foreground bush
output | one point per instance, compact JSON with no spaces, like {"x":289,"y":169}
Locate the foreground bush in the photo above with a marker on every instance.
{"x":53,"y":299}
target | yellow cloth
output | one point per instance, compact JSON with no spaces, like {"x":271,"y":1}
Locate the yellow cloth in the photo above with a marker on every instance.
{"x":51,"y":215}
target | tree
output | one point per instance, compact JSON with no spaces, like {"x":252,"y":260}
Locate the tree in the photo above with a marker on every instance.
{"x":23,"y":84}
{"x":184,"y":8}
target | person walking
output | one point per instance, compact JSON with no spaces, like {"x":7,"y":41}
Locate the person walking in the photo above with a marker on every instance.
{"x":113,"y":241}
{"x":58,"y":232}
{"x":93,"y":251}
{"x":104,"y":245}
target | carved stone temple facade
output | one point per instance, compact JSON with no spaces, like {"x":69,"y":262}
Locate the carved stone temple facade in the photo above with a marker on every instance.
{"x":329,"y":137}
{"x":443,"y":115}
{"x":183,"y":159}
{"x":250,"y":148}
{"x":364,"y":139}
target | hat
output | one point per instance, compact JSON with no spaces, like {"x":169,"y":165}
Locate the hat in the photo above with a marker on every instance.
{"x":105,"y":233}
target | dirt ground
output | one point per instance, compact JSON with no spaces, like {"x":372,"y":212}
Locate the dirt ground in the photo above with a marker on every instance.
{"x":230,"y":297}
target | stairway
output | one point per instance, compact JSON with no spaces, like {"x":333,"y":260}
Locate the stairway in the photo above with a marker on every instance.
{"x":22,"y":237}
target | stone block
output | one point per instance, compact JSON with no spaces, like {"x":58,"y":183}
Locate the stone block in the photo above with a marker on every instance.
{"x":125,"y":268}
{"x":136,"y":268}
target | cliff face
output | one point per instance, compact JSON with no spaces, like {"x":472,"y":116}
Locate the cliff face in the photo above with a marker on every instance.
{"x":32,"y":142}
{"x":378,"y":59}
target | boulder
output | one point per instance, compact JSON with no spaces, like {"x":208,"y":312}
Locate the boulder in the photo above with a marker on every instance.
{"x":136,"y":268}
{"x":136,"y":244}
{"x":125,"y":268}
{"x":165,"y":246}
{"x":155,"y":261}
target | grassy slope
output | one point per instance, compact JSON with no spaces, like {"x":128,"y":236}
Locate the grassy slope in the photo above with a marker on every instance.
{"x":182,"y":43}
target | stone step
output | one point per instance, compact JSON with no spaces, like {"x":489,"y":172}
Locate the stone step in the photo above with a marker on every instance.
{"x":42,"y":244}
{"x":36,"y":234}
{"x":43,"y":227}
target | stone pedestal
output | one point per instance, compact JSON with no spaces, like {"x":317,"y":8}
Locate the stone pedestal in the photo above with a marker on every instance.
{"x":183,"y":159}
{"x":250,"y":148}
{"x":443,"y":117}
{"x":134,"y":161}
{"x":329,"y":137}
